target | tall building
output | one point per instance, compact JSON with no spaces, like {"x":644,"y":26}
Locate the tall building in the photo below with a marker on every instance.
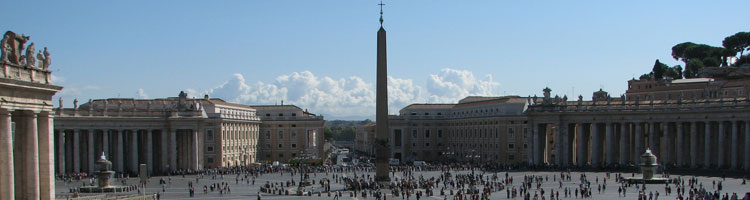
{"x":476,"y":129}
{"x":364,"y":137}
{"x":175,"y":133}
{"x":26,"y":121}
{"x":289,"y":132}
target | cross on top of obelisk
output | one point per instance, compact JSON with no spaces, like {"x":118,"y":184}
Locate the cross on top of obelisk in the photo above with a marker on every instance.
{"x":381,"y":12}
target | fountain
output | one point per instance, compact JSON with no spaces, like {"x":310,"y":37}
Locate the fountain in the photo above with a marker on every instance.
{"x":648,"y":167}
{"x":103,"y":177}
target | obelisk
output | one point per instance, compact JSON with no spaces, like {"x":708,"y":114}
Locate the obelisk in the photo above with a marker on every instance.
{"x":381,"y":107}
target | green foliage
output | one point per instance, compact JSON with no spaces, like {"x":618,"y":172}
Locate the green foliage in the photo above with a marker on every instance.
{"x":662,"y":71}
{"x":739,"y":42}
{"x":339,"y":133}
{"x":659,"y":69}
{"x":698,"y":56}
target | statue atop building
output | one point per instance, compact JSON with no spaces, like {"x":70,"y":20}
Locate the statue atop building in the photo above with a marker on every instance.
{"x":30,"y":59}
{"x":5,"y":49}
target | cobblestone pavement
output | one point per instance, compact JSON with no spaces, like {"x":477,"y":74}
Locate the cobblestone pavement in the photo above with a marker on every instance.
{"x":178,"y":189}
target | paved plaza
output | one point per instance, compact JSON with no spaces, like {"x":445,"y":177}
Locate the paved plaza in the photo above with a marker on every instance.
{"x":178,"y":189}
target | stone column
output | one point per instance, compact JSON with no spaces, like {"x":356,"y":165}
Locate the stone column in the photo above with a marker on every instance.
{"x":580,"y":154}
{"x":6,"y":156}
{"x":707,"y":145}
{"x":105,"y":143}
{"x":529,"y":140}
{"x":680,"y":144}
{"x":596,"y":146}
{"x":734,"y":145}
{"x":173,"y":150}
{"x":610,"y":143}
{"x":92,"y":153}
{"x":76,"y":151}
{"x":120,"y":152}
{"x":693,"y":144}
{"x":164,"y":154}
{"x":60,"y":152}
{"x":46,"y":156}
{"x":624,"y":143}
{"x":195,"y":150}
{"x":653,"y":138}
{"x":27,"y":181}
{"x":720,"y":146}
{"x":638,"y":142}
{"x":534,"y":144}
{"x":747,"y":145}
{"x":133,"y":151}
{"x":667,"y":154}
{"x":558,"y":145}
{"x":149,"y":151}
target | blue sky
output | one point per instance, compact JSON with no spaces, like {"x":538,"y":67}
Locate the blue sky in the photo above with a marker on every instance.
{"x":320,"y":55}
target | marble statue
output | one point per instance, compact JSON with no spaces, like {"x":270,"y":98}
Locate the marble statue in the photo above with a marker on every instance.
{"x":30,"y":59}
{"x":40,"y":58}
{"x":75,"y":103}
{"x":60,"y":102}
{"x":5,"y":49}
{"x":47,"y":60}
{"x":622,"y":98}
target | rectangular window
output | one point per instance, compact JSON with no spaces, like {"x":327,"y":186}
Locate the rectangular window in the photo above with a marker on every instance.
{"x":397,"y":137}
{"x":294,"y":134}
{"x":426,"y":133}
{"x":268,"y":135}
{"x":511,"y":147}
{"x":525,"y":133}
{"x":427,"y":144}
{"x":511,"y":157}
{"x":268,"y":146}
{"x":511,"y":133}
{"x":210,"y":160}
{"x":281,"y":146}
{"x":414,"y":133}
{"x":440,"y":133}
{"x":294,"y":146}
{"x":281,"y":155}
{"x":210,"y":149}
{"x":414,"y":144}
{"x":281,"y":135}
{"x":209,"y":135}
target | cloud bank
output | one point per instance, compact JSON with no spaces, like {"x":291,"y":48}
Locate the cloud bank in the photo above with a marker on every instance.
{"x":351,"y":97}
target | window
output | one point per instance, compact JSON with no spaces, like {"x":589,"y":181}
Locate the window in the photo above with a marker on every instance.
{"x":210,"y":149}
{"x":511,"y":157}
{"x":414,"y":133}
{"x":294,"y":114}
{"x":427,"y":144}
{"x":294,"y":155}
{"x":413,"y":144}
{"x":427,"y":133}
{"x":268,"y":135}
{"x":525,"y":146}
{"x":281,"y":155}
{"x":440,"y":133}
{"x":268,"y":146}
{"x":281,"y":146}
{"x":511,"y":147}
{"x":525,"y":133}
{"x":210,"y":160}
{"x":209,"y":135}
{"x":511,"y":133}
{"x":281,"y":134}
{"x":281,"y":114}
{"x":294,"y":134}
{"x":268,"y":156}
{"x":294,"y":145}
{"x":268,"y":115}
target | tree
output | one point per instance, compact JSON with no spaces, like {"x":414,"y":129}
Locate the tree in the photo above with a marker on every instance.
{"x":739,"y":42}
{"x":698,"y":56}
{"x":659,"y":69}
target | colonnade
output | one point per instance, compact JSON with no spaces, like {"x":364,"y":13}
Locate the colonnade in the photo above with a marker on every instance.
{"x":26,"y":159}
{"x":162,"y":150}
{"x":723,"y":144}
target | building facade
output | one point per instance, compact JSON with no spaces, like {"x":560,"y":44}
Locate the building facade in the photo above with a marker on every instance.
{"x":706,"y":126}
{"x":289,"y":132}
{"x":26,"y":121}
{"x":167,"y":134}
{"x":476,"y":129}
{"x":364,"y":136}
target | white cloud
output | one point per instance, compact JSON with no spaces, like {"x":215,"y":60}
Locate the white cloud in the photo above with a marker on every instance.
{"x":351,"y":96}
{"x":140,"y":94}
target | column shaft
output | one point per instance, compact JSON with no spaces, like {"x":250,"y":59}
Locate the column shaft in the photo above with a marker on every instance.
{"x":133,"y":153}
{"x":46,"y":156}
{"x":28,"y":178}
{"x":60,"y":152}
{"x":149,"y":151}
{"x":693,"y":144}
{"x":653,"y":138}
{"x":667,"y":154}
{"x":596,"y":145}
{"x":747,"y":146}
{"x":638,"y":142}
{"x":680,"y":144}
{"x":610,"y":143}
{"x":164,"y":150}
{"x":6,"y":157}
{"x":720,"y":146}
{"x":707,"y":146}
{"x":92,"y":153}
{"x":105,"y":143}
{"x":119,"y":152}
{"x":734,"y":146}
{"x":195,"y":150}
{"x":558,"y":145}
{"x":76,"y":151}
{"x":624,"y":144}
{"x":173,"y":150}
{"x":580,"y":154}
